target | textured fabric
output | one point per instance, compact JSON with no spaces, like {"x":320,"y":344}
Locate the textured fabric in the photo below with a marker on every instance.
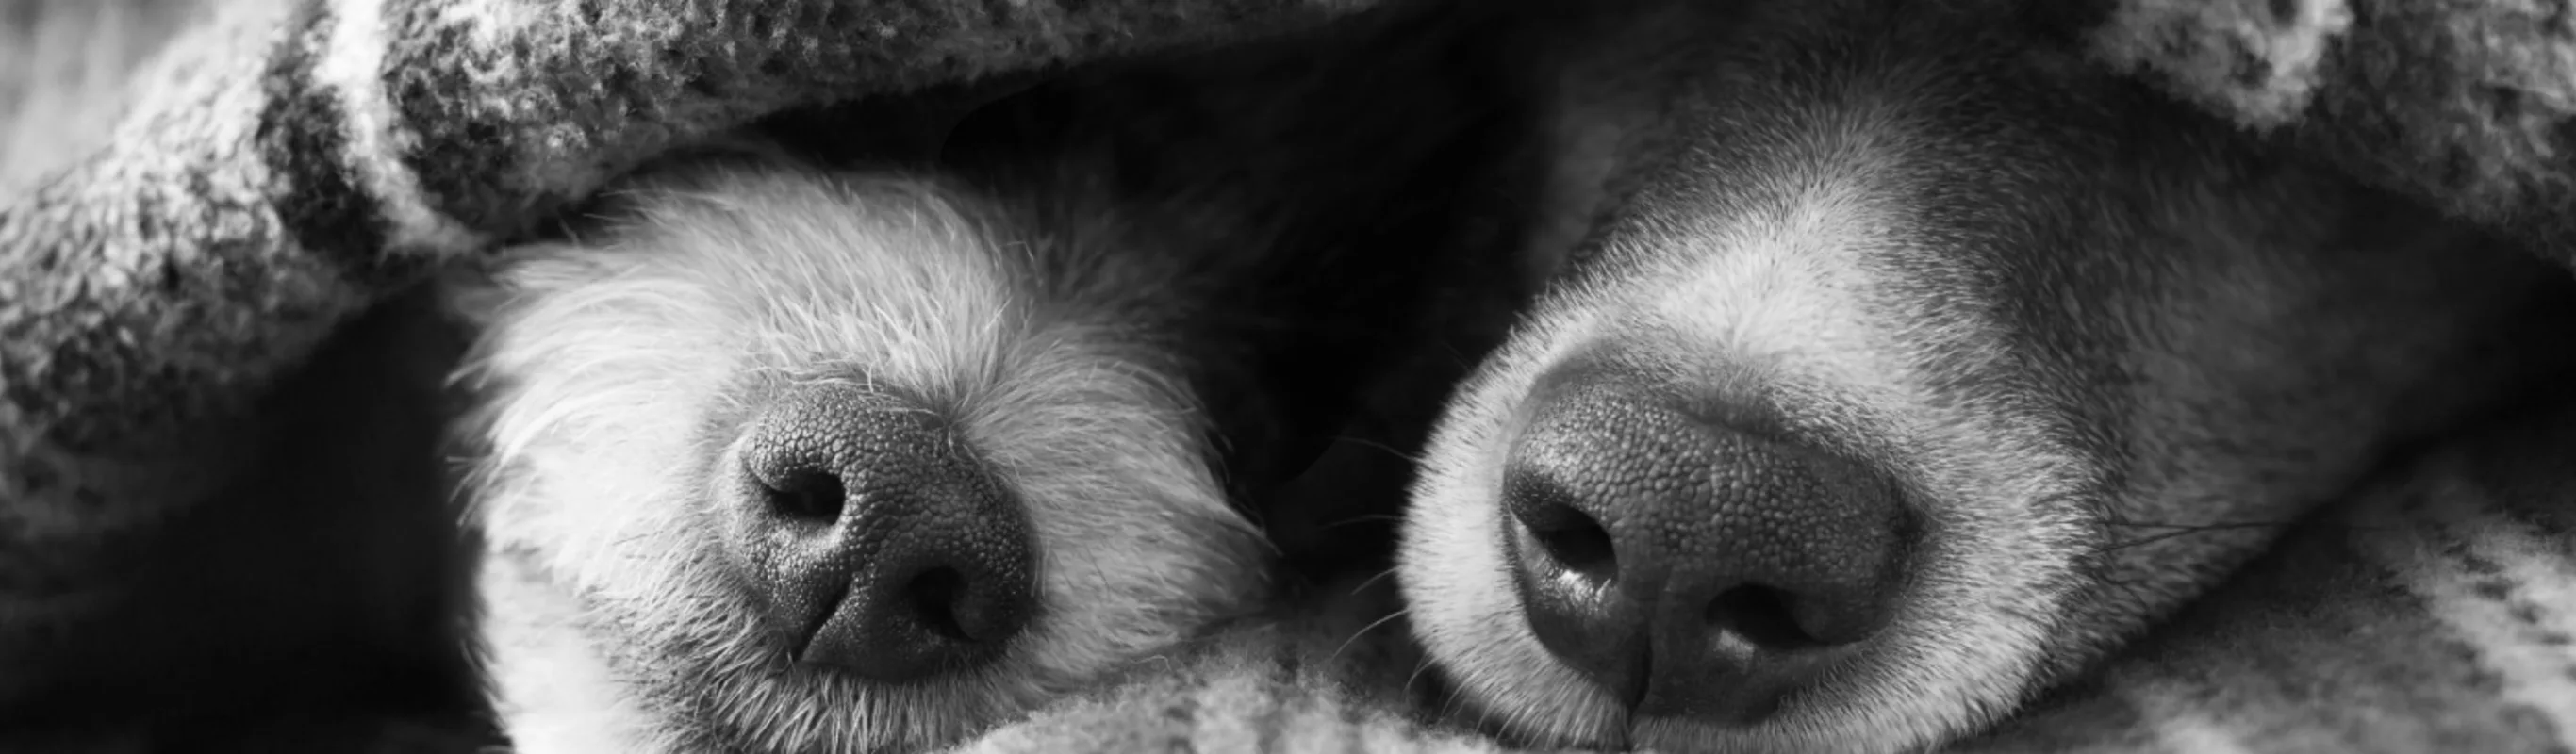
{"x":2465,"y":104}
{"x":286,"y":165}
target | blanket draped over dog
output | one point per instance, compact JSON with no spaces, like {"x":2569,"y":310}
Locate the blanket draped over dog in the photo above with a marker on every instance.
{"x":285,"y":165}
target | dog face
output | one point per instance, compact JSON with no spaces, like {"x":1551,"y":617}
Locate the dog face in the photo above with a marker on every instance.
{"x":1909,"y":363}
{"x":828,"y":460}
{"x":787,"y":459}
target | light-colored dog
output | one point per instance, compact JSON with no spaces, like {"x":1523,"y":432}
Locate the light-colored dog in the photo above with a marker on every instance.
{"x":785,"y":458}
{"x":1910,"y":361}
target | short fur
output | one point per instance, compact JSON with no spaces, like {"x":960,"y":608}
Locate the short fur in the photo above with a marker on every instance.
{"x":2067,"y":313}
{"x":1134,"y":293}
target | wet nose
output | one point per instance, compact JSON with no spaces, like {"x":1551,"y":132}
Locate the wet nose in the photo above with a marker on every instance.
{"x":877,"y":540}
{"x":1691,"y":569}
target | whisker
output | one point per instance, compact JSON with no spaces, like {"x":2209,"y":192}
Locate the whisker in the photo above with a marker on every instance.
{"x":1355,"y":635}
{"x":1362,"y":519}
{"x":1371,"y":581}
{"x":1379,"y":446}
{"x":1419,"y":667}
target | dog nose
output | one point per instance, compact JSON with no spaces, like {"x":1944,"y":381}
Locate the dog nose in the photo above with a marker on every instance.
{"x":1691,"y":569}
{"x":877,"y":539}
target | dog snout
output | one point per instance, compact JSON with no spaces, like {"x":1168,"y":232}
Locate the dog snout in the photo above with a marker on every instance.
{"x":1691,"y":568}
{"x":881,"y":544}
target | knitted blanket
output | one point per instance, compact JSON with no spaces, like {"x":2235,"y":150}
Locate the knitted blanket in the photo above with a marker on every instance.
{"x":285,"y":165}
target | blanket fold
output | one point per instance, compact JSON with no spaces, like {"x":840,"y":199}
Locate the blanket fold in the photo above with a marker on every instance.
{"x":287,"y":165}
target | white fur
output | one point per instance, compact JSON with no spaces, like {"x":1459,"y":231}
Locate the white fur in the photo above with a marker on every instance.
{"x":608,"y":363}
{"x":1781,"y":301}
{"x":557,"y":693}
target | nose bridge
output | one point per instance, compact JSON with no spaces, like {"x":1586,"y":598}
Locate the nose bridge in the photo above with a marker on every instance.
{"x":1809,"y":289}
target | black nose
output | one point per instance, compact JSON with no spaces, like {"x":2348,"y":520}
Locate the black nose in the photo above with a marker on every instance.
{"x":879,"y":542}
{"x":1691,"y":569}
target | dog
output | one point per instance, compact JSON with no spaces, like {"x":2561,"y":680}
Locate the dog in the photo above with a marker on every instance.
{"x":1908,"y":361}
{"x":802,"y":448}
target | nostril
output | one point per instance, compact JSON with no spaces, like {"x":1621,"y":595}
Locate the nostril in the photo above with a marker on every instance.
{"x":1563,"y":532}
{"x":1761,"y":616}
{"x":1566,"y":574}
{"x":1578,"y":543}
{"x":808,"y":495}
{"x":934,"y":596}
